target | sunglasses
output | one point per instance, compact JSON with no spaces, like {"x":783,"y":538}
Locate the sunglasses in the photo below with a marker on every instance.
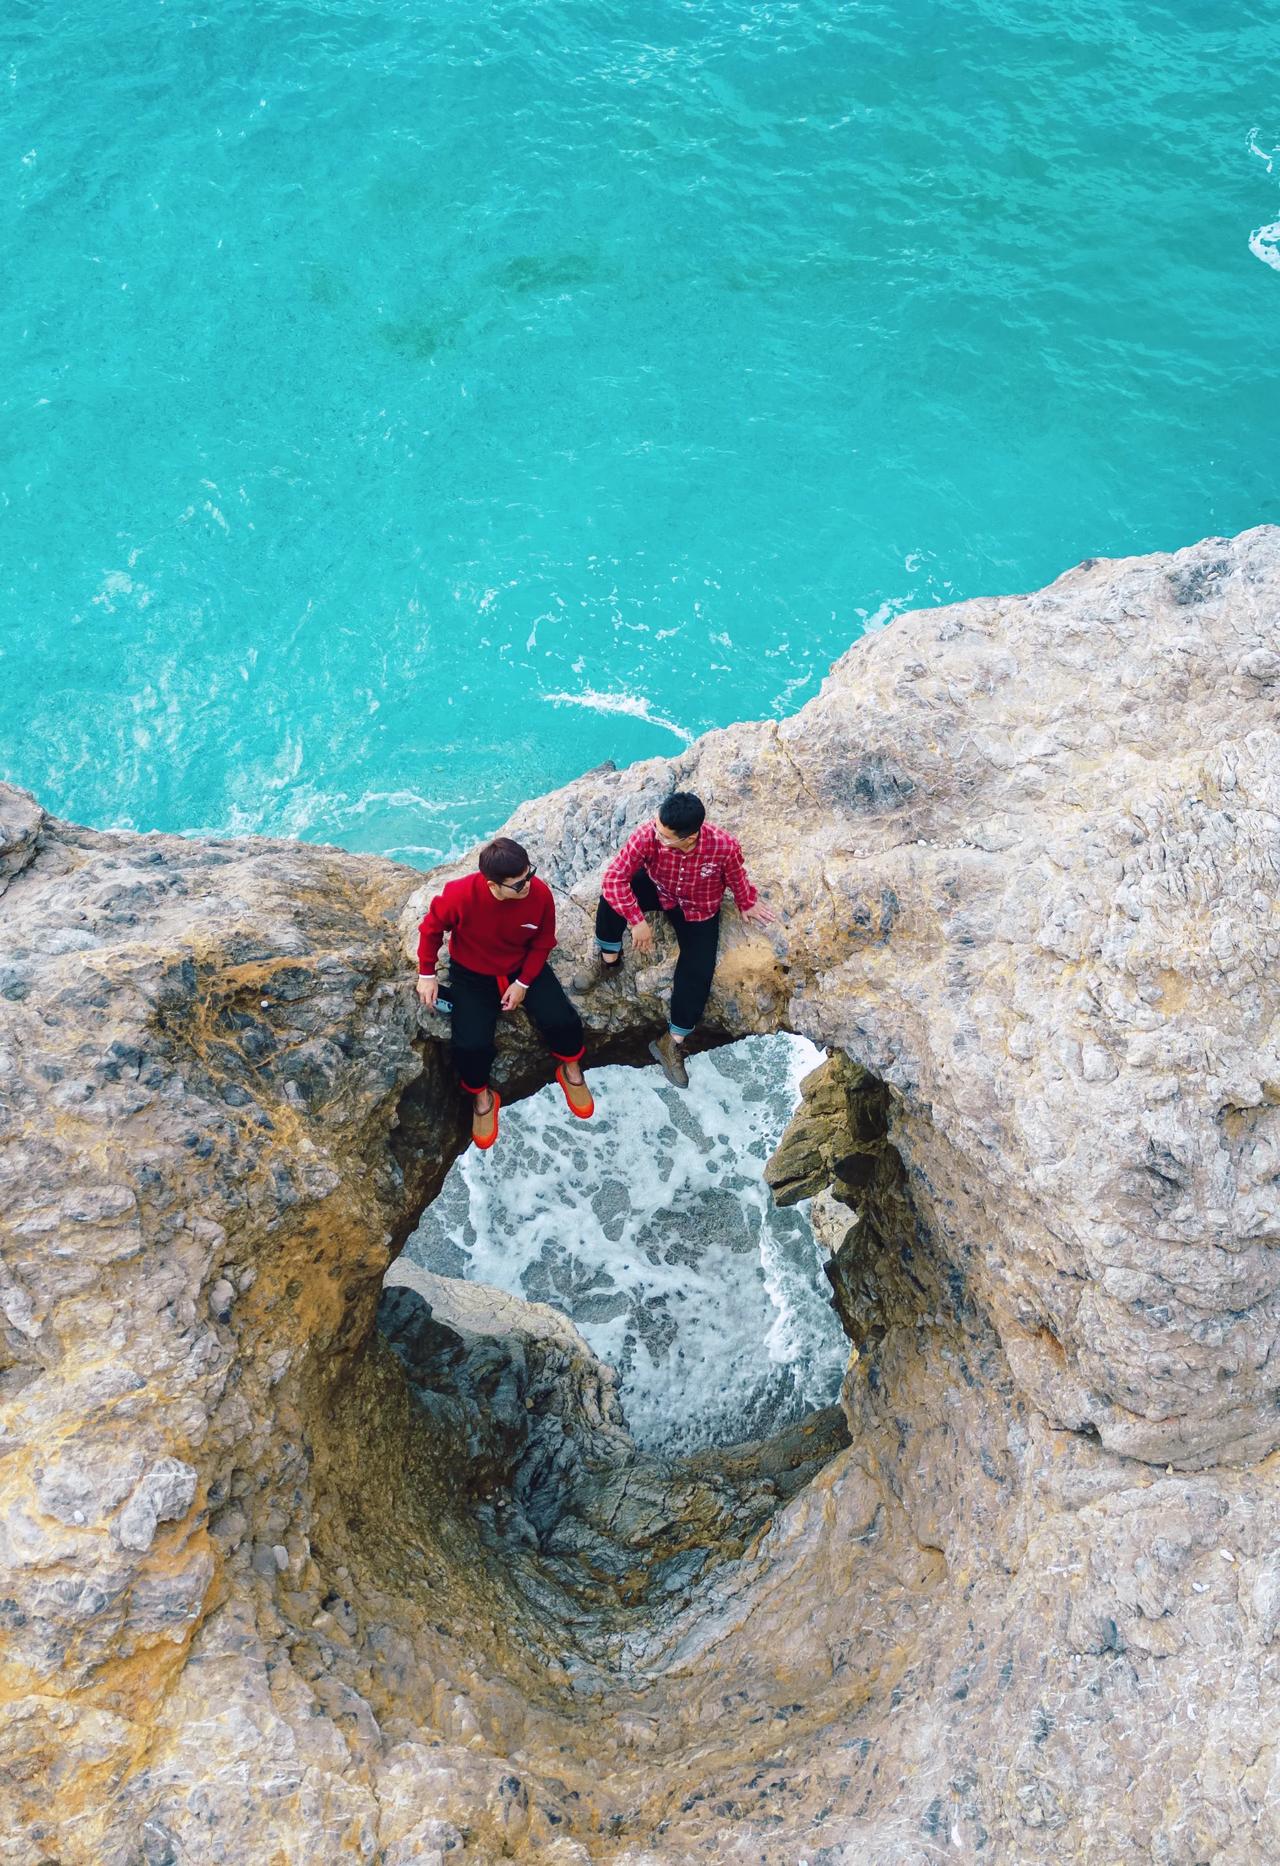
{"x":518,"y":887}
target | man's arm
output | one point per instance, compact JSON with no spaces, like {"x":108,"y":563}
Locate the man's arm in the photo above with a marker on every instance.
{"x":737,"y":880}
{"x":615,"y":884}
{"x":439,"y":917}
{"x":540,"y":945}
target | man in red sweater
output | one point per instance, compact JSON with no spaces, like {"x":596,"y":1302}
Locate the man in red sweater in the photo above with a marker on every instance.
{"x":681,"y":864}
{"x":501,"y":923}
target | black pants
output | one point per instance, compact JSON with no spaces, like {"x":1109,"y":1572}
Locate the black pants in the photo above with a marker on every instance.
{"x":698,"y":941}
{"x":476,"y":1002}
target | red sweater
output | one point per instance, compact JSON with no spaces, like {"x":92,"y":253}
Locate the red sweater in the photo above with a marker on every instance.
{"x":506,"y":938}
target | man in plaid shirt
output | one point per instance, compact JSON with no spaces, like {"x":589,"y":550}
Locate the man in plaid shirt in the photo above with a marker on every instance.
{"x":681,"y":864}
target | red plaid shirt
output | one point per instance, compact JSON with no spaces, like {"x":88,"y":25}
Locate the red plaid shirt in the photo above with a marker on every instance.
{"x":695,"y":883}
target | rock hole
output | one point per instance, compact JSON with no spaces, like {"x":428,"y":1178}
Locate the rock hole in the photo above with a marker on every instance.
{"x":652,"y":1229}
{"x":671,"y":1237}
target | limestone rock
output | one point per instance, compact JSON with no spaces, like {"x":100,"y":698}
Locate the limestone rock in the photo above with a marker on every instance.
{"x":20,"y":821}
{"x":165,"y":1493}
{"x":253,"y":1606}
{"x":837,"y":1137}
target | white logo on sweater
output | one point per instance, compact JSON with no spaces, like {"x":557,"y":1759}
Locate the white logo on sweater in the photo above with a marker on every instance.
{"x":528,"y":926}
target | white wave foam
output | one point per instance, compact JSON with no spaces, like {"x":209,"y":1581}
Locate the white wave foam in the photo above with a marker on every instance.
{"x":652,"y":1228}
{"x":1264,"y":155}
{"x":875,"y":620}
{"x":275,"y":806}
{"x":1264,"y":244}
{"x":399,"y":800}
{"x":632,"y":704}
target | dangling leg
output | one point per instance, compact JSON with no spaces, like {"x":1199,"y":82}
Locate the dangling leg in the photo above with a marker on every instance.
{"x":610,"y":928}
{"x":698,"y":941}
{"x":560,"y":1028}
{"x":475,"y":1018}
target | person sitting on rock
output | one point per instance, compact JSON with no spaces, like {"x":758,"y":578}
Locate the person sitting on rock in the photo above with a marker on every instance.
{"x":501,"y":923}
{"x":682,"y":864}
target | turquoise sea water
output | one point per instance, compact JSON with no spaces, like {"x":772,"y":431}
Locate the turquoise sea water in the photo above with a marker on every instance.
{"x":409,"y":404}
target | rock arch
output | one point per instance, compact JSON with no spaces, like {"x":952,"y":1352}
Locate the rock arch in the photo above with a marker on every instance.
{"x":1027,"y":848}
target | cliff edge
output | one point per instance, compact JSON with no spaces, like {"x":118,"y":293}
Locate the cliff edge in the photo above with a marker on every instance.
{"x":257,"y":1597}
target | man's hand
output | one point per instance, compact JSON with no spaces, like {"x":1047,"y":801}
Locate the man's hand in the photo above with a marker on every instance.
{"x":429,"y":991}
{"x":513,"y":996}
{"x":762,"y":915}
{"x":642,"y":937}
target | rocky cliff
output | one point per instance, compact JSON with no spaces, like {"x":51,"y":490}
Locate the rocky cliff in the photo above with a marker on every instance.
{"x":278,"y":1585}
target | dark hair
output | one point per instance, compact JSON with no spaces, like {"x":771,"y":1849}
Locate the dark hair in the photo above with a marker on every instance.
{"x":682,"y":813}
{"x":502,"y":859}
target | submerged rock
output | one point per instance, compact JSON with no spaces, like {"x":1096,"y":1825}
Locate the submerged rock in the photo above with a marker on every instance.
{"x":270,"y":1590}
{"x":538,"y":1439}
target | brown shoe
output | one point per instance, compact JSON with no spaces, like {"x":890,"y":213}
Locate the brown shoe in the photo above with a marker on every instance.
{"x":577,"y":1094}
{"x":670,"y":1054}
{"x":484,"y":1127}
{"x":596,"y":974}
